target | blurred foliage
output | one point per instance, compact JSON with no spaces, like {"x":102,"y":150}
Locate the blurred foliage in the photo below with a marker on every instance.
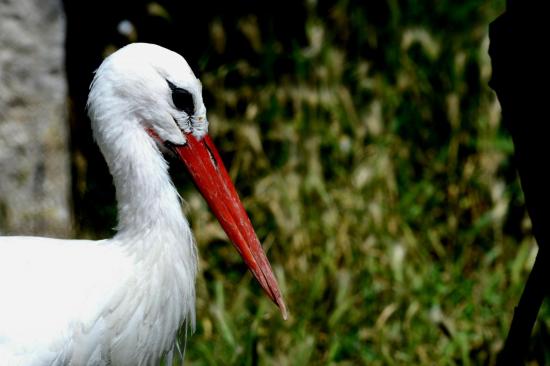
{"x":369,"y":152}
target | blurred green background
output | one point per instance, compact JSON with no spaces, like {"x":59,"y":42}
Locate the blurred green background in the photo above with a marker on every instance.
{"x":370,"y":155}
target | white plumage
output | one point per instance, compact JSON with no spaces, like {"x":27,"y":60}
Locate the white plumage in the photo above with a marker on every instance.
{"x":121,"y":301}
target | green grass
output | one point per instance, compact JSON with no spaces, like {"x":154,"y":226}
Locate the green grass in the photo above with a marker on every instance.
{"x":382,"y":189}
{"x":383,"y":192}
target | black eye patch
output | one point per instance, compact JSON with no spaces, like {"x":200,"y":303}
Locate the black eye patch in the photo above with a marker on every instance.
{"x":183,"y":100}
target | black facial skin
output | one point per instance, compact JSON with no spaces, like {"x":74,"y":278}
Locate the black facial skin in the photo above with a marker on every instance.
{"x":183,"y":100}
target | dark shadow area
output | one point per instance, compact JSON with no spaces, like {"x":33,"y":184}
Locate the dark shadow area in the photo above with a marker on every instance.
{"x":519,"y":48}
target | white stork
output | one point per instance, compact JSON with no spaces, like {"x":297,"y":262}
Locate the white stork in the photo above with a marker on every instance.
{"x":121,"y":301}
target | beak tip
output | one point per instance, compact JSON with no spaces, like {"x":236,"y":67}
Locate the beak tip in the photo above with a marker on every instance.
{"x":282,"y":307}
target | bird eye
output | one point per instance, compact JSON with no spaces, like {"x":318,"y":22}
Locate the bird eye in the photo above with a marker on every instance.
{"x":183,"y":100}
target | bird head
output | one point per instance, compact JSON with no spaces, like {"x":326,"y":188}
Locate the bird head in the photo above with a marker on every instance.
{"x":148,"y":87}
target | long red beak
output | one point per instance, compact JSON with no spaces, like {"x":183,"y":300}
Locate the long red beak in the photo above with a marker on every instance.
{"x":210,"y":176}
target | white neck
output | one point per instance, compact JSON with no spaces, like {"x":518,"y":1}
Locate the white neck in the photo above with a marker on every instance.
{"x":151,"y":225}
{"x":148,"y":203}
{"x":147,"y":199}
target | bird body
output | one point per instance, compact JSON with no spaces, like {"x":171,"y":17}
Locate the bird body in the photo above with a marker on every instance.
{"x":89,"y":305}
{"x":121,"y":301}
{"x":132,"y":292}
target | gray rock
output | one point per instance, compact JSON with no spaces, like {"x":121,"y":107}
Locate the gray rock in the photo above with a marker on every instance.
{"x":34,"y":160}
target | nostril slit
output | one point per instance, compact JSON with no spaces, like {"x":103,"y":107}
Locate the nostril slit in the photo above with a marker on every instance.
{"x":214,"y":162}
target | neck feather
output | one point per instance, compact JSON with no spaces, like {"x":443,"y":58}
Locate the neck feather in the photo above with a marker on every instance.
{"x":147,"y":199}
